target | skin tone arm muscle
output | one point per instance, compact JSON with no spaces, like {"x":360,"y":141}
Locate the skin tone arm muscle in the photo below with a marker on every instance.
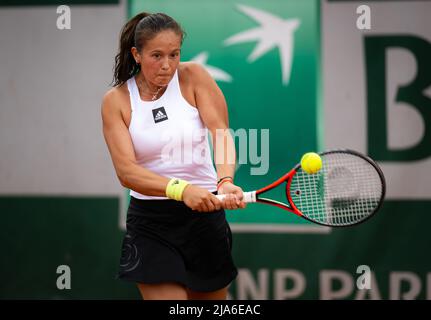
{"x":213,"y":111}
{"x":120,"y":146}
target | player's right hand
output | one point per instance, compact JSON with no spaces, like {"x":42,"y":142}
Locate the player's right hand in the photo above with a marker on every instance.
{"x":200,"y":199}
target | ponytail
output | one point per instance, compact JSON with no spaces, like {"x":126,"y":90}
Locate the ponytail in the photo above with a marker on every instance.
{"x":125,"y":64}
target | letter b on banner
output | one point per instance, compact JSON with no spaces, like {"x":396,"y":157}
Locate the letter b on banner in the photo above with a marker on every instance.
{"x":411,"y":94}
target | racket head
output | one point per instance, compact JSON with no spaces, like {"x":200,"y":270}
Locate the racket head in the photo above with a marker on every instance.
{"x":348,"y":190}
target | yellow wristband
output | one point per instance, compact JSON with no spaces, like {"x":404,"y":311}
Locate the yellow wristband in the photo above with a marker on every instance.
{"x":175,"y":188}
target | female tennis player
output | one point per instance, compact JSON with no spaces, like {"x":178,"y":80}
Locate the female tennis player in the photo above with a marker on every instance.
{"x":178,"y":243}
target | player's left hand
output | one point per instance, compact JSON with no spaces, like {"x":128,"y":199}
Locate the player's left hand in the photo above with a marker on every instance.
{"x":234,"y":196}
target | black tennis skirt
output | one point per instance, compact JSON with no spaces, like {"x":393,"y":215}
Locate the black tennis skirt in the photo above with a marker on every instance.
{"x":166,"y":241}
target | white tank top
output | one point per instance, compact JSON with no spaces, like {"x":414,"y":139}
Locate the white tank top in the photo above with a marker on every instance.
{"x":170,"y":139}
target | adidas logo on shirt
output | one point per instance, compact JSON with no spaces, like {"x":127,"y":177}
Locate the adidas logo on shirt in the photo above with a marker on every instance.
{"x":159,"y":114}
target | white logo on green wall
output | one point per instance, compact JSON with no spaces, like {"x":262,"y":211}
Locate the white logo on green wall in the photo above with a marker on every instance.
{"x":272,"y":32}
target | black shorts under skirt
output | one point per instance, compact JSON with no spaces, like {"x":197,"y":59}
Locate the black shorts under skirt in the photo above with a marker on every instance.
{"x":166,"y":241}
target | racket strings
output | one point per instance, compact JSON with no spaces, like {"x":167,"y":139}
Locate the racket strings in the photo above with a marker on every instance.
{"x":345,"y":191}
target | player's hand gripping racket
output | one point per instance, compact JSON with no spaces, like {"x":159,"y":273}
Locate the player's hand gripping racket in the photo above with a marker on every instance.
{"x":347,"y":190}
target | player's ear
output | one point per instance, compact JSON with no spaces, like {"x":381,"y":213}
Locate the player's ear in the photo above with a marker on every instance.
{"x":136,"y":54}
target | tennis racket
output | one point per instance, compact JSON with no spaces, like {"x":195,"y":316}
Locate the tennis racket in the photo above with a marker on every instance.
{"x":347,"y":190}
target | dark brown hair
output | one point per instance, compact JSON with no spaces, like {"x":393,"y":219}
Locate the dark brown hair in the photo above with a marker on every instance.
{"x":135,"y":33}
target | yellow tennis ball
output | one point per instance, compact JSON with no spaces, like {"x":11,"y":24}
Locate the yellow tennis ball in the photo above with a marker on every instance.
{"x":311,"y":162}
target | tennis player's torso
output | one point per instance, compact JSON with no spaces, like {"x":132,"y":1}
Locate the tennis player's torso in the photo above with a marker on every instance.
{"x":186,"y":86}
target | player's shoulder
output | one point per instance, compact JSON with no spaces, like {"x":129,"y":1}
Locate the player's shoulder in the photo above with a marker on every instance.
{"x":115,"y":93}
{"x":115,"y":97}
{"x":192,"y":71}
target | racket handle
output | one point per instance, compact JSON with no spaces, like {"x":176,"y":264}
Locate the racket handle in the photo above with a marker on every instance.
{"x":248,"y":196}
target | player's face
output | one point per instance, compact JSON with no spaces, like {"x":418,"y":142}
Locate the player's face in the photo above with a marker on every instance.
{"x":160,"y":57}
